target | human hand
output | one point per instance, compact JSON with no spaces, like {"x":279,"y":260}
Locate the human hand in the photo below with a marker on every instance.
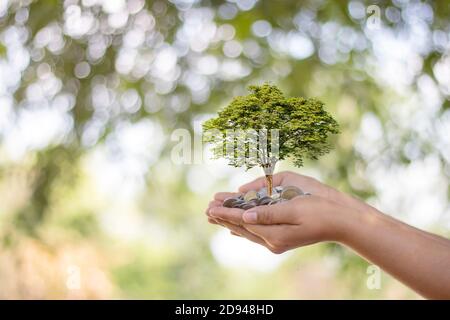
{"x":307,"y":184}
{"x":288,"y":178}
{"x":301,"y":221}
{"x":285,"y":178}
{"x":314,"y":213}
{"x":417,"y":258}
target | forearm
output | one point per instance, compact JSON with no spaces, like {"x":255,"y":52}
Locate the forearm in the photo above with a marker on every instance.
{"x":347,"y":200}
{"x":417,"y":258}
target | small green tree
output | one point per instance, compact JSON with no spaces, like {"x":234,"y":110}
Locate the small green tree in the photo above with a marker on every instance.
{"x":264,"y":127}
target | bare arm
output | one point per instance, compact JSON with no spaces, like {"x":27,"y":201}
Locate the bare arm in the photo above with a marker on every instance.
{"x":419,"y":259}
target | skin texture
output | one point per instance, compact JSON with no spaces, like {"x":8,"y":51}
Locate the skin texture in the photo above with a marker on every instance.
{"x":419,"y":259}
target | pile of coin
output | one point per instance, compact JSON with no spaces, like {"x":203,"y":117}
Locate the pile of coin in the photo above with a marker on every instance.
{"x":254,"y":198}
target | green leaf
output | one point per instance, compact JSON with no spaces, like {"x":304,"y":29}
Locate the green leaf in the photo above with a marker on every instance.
{"x":303,"y":125}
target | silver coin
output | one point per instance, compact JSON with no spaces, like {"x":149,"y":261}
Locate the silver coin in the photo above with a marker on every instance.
{"x":275,"y":201}
{"x":264,"y":201}
{"x":263,"y":192}
{"x":276,"y":196}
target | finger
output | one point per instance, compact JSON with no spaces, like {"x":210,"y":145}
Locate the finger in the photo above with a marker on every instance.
{"x":221,"y":196}
{"x":212,"y":204}
{"x":270,"y":234}
{"x":217,"y":221}
{"x":212,"y":221}
{"x":281,"y":213}
{"x":266,"y":232}
{"x":260,"y":182}
{"x":232,"y":215}
{"x":235,"y":234}
{"x":277,"y":236}
{"x":245,"y":233}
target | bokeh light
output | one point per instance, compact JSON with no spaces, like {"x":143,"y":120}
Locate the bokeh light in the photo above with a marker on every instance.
{"x":92,"y":90}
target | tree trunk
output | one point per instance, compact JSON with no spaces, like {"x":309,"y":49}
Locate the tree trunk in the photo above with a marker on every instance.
{"x":268,"y":171}
{"x":269,"y":184}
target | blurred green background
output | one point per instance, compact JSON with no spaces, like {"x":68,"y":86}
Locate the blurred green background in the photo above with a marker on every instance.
{"x":92,"y":204}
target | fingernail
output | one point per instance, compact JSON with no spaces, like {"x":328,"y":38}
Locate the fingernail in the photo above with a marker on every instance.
{"x":249,"y":216}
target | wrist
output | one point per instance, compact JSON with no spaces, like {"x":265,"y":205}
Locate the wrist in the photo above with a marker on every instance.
{"x":342,"y":223}
{"x":354,"y":223}
{"x":346,"y":200}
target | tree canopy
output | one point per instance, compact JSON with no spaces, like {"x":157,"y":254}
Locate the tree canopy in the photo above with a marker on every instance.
{"x":296,"y":127}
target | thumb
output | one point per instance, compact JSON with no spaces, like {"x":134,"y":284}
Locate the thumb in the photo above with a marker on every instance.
{"x":275,"y":214}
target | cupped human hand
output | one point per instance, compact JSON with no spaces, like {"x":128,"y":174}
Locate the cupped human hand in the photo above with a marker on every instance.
{"x":304,"y":219}
{"x":288,"y":178}
{"x":285,"y":178}
{"x":301,"y":221}
{"x":329,"y":215}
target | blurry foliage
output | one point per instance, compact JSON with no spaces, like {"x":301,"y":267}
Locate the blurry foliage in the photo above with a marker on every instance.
{"x":180,"y":59}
